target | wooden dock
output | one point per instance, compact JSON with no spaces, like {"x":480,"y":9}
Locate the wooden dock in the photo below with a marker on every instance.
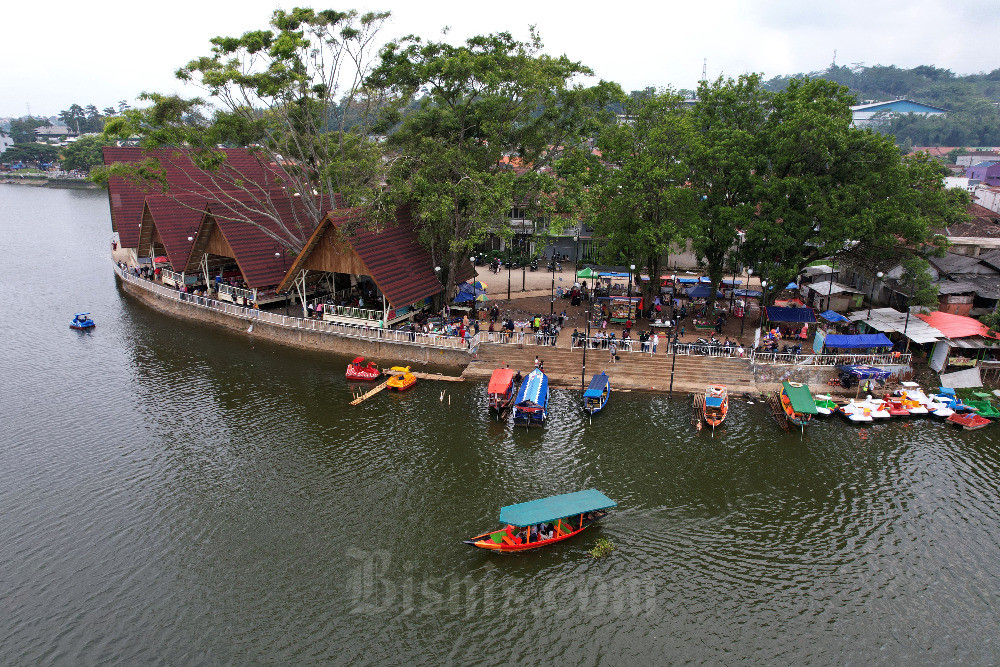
{"x":697,"y":409}
{"x":774,"y":402}
{"x":368,"y":394}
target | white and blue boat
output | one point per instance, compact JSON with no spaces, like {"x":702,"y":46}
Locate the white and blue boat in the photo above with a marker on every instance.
{"x":597,"y":394}
{"x":532,"y":399}
{"x":82,"y":321}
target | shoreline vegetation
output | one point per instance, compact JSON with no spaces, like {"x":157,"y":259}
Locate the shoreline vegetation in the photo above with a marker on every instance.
{"x":43,"y":181}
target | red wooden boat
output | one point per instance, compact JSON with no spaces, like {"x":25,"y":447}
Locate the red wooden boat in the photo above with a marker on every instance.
{"x":355,"y":371}
{"x":970,"y":422}
{"x":501,"y":389}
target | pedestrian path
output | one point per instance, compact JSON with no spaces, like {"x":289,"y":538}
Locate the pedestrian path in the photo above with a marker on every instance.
{"x":636,"y":371}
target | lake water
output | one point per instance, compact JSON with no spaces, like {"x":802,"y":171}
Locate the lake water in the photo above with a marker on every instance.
{"x":176,"y":494}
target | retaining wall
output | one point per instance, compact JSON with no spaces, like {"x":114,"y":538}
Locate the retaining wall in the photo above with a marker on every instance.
{"x":302,"y":338}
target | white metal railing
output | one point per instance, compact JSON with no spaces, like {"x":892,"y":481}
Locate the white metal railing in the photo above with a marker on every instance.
{"x":884,"y":359}
{"x":356,"y":331}
{"x":230,"y":293}
{"x":354,"y":312}
{"x":176,"y":279}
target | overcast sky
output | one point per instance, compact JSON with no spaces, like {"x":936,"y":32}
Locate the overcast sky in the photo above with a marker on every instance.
{"x":57,"y":53}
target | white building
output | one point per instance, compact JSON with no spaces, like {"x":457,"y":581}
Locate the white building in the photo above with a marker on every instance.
{"x":5,"y":142}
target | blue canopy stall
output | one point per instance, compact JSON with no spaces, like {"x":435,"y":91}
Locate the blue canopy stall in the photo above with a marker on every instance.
{"x":790,"y":315}
{"x":858,"y":341}
{"x":703,"y":292}
{"x":831,"y":316}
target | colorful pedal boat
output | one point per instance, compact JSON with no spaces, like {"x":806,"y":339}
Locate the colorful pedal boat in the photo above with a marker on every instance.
{"x":500,"y":390}
{"x":82,"y":321}
{"x":825,"y":405}
{"x":402,"y":379}
{"x":597,"y":394}
{"x":716,"y":404}
{"x":355,"y":371}
{"x":563,"y":516}
{"x":968,"y":421}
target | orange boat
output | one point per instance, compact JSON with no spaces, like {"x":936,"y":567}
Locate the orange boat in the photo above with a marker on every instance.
{"x":355,"y":371}
{"x":402,"y":379}
{"x":716,"y":404}
{"x":539,"y":523}
{"x":501,"y":390}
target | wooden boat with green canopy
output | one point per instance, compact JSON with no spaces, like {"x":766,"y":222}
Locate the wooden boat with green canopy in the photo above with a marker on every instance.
{"x":798,"y":403}
{"x":542,"y":522}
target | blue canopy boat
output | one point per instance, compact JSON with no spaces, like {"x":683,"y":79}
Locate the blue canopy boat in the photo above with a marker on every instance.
{"x":533,"y":396}
{"x":597,"y":394}
{"x":544,"y":521}
{"x":82,"y":321}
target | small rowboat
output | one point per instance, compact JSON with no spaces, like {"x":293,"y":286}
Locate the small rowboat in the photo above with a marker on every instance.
{"x":797,"y":403}
{"x":402,"y":379}
{"x":355,"y":371}
{"x":82,"y":321}
{"x":539,"y":523}
{"x":716,"y":405}
{"x":969,"y":422}
{"x":500,"y":391}
{"x":597,"y":394}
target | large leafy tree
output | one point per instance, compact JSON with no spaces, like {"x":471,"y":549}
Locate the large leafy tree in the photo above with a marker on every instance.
{"x":484,"y":123}
{"x":727,"y":162}
{"x":641,"y":201}
{"x":84,"y":153}
{"x":22,"y":130}
{"x":286,"y":92}
{"x":31,"y":153}
{"x":829,"y":187}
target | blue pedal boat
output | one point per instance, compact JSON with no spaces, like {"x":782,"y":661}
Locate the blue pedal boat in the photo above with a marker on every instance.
{"x":82,"y":321}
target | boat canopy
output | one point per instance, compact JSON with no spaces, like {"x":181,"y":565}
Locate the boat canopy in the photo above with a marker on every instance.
{"x":358,"y":360}
{"x":534,"y":389}
{"x":500,"y":381}
{"x":713,"y":401}
{"x":790,"y":315}
{"x":801,"y":398}
{"x":598,"y":384}
{"x":81,"y":314}
{"x":555,"y":507}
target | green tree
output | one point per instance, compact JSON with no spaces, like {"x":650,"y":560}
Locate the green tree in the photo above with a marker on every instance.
{"x":31,"y":153}
{"x":75,"y":118}
{"x":727,"y":161}
{"x":918,"y":282}
{"x":490,"y":111}
{"x":85,"y":153}
{"x":640,"y":199}
{"x":22,"y":130}
{"x":275,"y":90}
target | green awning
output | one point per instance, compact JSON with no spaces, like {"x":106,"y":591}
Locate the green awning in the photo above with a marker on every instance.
{"x":555,"y":507}
{"x":801,"y":398}
{"x":586,"y":273}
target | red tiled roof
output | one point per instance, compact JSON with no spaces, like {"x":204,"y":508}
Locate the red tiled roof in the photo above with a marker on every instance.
{"x":984,"y":224}
{"x":176,"y":222}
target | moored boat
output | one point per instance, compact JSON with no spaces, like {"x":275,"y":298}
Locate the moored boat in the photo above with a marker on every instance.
{"x":825,"y":405}
{"x":355,"y":370}
{"x":797,"y":403}
{"x":542,"y":522}
{"x":716,"y":404}
{"x":532,"y":398}
{"x":597,"y":394}
{"x":82,"y":321}
{"x":500,"y":390}
{"x":969,"y":421}
{"x":402,"y":379}
{"x":856,"y":412}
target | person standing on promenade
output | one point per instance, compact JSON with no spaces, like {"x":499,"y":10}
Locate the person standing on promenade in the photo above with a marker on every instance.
{"x":613,"y":348}
{"x":656,"y":341}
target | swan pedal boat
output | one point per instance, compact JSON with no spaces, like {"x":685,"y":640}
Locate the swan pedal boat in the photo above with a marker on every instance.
{"x":825,"y":405}
{"x":355,"y":371}
{"x":402,"y":379}
{"x":564,"y":516}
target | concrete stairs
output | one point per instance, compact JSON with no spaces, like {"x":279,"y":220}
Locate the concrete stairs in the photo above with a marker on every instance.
{"x":633,"y":370}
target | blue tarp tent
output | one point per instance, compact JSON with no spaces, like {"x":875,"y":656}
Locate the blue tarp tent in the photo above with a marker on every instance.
{"x":858,"y":341}
{"x":703,"y":292}
{"x":791,"y":286}
{"x":687,"y":281}
{"x":730,"y":283}
{"x":831,"y":316}
{"x":801,"y":315}
{"x":749,"y":293}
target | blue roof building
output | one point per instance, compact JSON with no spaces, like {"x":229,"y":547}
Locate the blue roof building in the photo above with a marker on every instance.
{"x":865,"y":114}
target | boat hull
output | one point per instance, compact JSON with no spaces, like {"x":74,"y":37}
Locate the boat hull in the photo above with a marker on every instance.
{"x":484,"y":542}
{"x":401,"y":384}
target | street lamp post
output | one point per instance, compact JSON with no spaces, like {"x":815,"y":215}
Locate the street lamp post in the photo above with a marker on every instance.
{"x":673,"y":364}
{"x":524,"y":265}
{"x":552,"y":292}
{"x":508,"y":275}
{"x":871,"y":295}
{"x":278,"y":254}
{"x":763,"y":300}
{"x":736,"y":266}
{"x":444,"y":299}
{"x":629,"y":302}
{"x":746,"y":302}
{"x":475,"y":280}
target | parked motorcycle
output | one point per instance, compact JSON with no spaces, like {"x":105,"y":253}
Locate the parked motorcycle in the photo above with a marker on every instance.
{"x":534,"y":265}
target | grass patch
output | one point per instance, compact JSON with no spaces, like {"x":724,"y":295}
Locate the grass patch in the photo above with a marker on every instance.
{"x":603,"y":548}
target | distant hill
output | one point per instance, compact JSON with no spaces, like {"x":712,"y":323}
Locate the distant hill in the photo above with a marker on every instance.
{"x":972,"y":101}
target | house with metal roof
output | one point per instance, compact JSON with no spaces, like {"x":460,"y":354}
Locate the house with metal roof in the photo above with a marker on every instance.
{"x":874,"y":112}
{"x":987,"y":173}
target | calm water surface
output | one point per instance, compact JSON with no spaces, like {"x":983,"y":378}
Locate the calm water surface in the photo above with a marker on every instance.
{"x":174,"y":494}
